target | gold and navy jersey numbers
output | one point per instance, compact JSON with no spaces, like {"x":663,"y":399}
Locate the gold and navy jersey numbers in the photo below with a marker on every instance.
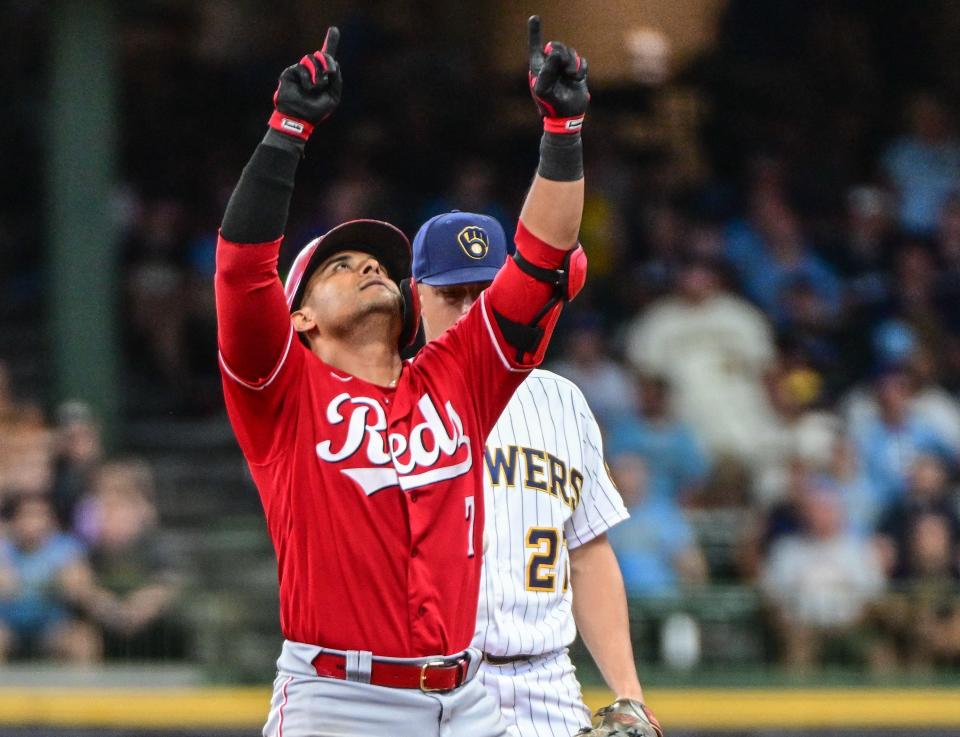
{"x":542,"y":564}
{"x":546,"y":544}
{"x":541,"y":471}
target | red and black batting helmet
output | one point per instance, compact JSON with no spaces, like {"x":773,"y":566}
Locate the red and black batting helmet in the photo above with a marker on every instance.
{"x":380,"y":239}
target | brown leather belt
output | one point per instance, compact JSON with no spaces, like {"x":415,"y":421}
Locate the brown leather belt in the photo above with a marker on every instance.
{"x":506,"y":659}
{"x":436,"y":675}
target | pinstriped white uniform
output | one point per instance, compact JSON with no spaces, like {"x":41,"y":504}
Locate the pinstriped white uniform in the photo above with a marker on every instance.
{"x":547,"y":491}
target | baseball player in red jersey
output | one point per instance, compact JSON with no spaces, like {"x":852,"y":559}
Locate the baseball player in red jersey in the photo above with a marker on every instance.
{"x":369,"y":468}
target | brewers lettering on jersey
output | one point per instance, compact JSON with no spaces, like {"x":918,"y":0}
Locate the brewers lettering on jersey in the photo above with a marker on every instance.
{"x":549,"y":500}
{"x":370,"y":468}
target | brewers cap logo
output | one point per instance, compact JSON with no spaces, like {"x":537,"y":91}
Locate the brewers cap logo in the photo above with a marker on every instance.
{"x":473,"y":241}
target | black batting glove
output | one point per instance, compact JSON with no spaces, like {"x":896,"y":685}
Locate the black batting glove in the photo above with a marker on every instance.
{"x":309,"y":91}
{"x":558,"y":82}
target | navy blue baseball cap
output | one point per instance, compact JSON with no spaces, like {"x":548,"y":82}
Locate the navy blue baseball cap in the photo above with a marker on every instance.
{"x":458,"y":248}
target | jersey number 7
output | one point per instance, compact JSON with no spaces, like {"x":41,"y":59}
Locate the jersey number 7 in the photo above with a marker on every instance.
{"x":470,"y":509}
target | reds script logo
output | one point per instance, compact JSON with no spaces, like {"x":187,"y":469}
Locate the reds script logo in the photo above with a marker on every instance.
{"x":396,"y":459}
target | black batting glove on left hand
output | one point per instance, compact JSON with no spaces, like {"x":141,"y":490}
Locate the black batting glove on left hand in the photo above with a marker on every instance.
{"x":309,"y":91}
{"x":558,"y":82}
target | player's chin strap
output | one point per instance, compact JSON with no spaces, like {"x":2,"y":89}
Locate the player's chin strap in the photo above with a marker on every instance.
{"x":567,"y":281}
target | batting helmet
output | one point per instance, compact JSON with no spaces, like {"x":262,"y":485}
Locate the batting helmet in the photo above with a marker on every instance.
{"x":383,"y":241}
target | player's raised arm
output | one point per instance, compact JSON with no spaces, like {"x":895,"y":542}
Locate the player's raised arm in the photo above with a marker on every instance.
{"x":558,"y":83}
{"x":252,"y":314}
{"x":548,"y":268}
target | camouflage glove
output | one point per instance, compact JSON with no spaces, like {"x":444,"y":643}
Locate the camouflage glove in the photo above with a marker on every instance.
{"x":624,"y":718}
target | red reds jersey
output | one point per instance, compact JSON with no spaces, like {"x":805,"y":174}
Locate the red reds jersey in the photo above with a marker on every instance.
{"x":373,"y":495}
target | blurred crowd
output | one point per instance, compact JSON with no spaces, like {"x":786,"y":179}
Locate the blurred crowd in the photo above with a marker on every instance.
{"x":810,"y":386}
{"x":84,"y":576}
{"x":770,"y":337}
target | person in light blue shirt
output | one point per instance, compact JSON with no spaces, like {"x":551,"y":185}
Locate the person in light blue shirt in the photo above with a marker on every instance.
{"x":34,"y":615}
{"x":656,"y":546}
{"x":675,"y":458}
{"x":924,"y":166}
{"x":889,"y":443}
{"x":770,"y":252}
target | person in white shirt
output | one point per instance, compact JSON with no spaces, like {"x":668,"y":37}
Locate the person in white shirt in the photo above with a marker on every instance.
{"x":716,"y":349}
{"x":820,"y":580}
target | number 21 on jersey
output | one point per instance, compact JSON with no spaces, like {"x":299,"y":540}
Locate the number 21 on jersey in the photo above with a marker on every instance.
{"x":541,"y":574}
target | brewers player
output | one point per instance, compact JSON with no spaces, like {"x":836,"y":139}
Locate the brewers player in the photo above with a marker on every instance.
{"x":370,"y":469}
{"x":549,"y":502}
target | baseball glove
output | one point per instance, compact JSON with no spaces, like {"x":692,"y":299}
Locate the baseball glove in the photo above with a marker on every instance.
{"x":624,"y":718}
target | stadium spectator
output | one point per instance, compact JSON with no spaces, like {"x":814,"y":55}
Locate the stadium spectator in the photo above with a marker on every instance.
{"x":656,"y":547}
{"x":35,"y":563}
{"x":936,"y":610}
{"x":928,"y":493}
{"x":931,"y":400}
{"x":133,"y":586}
{"x":26,"y":455}
{"x":800,"y":430}
{"x":770,"y":253}
{"x":783,"y":517}
{"x":890,"y":441}
{"x":676,"y":463}
{"x":819,"y":583}
{"x":807,"y":326}
{"x":716,"y":349}
{"x":916,"y":281}
{"x":847,"y":475}
{"x":78,"y":451}
{"x":918,"y":623}
{"x":923,"y":166}
{"x":900,"y":350}
{"x":860,"y":253}
{"x":604,"y":382}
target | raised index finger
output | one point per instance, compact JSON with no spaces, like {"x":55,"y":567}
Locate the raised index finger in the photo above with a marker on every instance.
{"x":331,"y":41}
{"x":536,"y":44}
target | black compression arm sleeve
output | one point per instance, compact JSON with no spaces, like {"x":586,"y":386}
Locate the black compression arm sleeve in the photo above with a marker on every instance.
{"x":258,"y":208}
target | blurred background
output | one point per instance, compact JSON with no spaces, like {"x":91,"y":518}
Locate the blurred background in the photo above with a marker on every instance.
{"x":770,"y":336}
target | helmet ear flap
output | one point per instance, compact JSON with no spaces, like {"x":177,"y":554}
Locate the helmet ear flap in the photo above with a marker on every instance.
{"x":411,"y":313}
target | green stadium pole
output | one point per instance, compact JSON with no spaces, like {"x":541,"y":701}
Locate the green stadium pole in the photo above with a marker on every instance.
{"x":81,"y":138}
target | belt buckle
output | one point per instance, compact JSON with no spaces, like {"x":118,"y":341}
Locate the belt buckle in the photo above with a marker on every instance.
{"x":423,"y":676}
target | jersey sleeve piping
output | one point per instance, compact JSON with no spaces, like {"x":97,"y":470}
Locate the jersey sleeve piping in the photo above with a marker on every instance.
{"x":262,"y":384}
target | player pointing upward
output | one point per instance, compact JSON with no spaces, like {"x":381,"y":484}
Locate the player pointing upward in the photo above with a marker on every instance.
{"x":370,"y":470}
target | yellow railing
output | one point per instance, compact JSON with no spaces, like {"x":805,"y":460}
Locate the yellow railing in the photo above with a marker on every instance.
{"x":700,"y":709}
